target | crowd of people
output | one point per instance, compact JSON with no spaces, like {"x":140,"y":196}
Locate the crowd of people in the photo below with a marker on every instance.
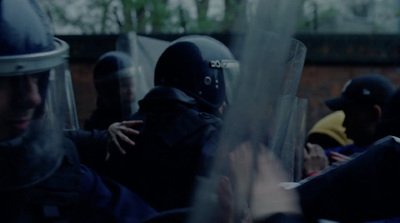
{"x":145,"y":164}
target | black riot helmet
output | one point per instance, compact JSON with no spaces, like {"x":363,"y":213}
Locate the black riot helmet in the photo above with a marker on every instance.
{"x":199,"y":66}
{"x":109,"y":69}
{"x":33,"y":94}
{"x":23,"y":34}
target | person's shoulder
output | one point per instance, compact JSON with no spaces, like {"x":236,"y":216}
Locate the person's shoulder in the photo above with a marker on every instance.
{"x":389,"y":144}
{"x":208,"y":118}
{"x":166,"y":94}
{"x":197,"y":121}
{"x":387,"y":140}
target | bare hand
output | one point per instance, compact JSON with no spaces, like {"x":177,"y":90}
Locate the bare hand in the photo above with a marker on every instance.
{"x":267,"y":196}
{"x":339,"y":158}
{"x":226,"y":211}
{"x":315,"y":159}
{"x":120,"y":131}
{"x":226,"y":203}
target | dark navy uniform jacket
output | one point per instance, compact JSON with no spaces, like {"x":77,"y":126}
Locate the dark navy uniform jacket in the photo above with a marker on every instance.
{"x":106,"y":199}
{"x":74,"y":193}
{"x":175,"y":145}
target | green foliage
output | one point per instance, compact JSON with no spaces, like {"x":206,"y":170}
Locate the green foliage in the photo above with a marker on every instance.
{"x":149,"y":13}
{"x":206,"y":24}
{"x":234,"y":9}
{"x":143,"y":16}
{"x":158,"y":16}
{"x":311,"y":24}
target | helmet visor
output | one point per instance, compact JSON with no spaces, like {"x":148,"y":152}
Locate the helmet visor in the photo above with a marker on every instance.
{"x":144,"y":52}
{"x":128,"y":88}
{"x":120,"y":90}
{"x":33,"y":102}
{"x":231,"y":71}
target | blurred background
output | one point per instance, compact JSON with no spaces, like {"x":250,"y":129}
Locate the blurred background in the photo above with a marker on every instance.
{"x":344,"y":39}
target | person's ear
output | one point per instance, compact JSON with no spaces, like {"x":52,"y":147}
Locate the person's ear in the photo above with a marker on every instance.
{"x":378,"y":112}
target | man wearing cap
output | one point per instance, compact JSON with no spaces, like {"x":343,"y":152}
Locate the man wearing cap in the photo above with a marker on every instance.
{"x":364,"y":189}
{"x":363,"y":101}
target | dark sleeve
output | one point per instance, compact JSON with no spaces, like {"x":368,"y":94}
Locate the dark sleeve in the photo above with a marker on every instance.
{"x":107,"y":201}
{"x":209,"y":149}
{"x":282,"y":218}
{"x":340,"y":149}
{"x":88,"y":124}
{"x":179,"y":215}
{"x":364,"y":189}
{"x":347,"y":150}
{"x":91,"y":146}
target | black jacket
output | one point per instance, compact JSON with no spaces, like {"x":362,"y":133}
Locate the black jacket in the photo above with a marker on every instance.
{"x":176,"y":143}
{"x":364,"y":189}
{"x":73,"y":193}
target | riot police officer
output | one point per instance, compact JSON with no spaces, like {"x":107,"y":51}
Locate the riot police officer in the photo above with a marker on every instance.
{"x":41,"y":177}
{"x":180,"y":121}
{"x":113,"y":77}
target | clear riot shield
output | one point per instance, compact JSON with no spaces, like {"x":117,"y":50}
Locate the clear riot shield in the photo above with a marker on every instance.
{"x":283,"y":132}
{"x":145,"y":52}
{"x":231,"y":70}
{"x":291,"y":152}
{"x":33,"y":104}
{"x":71,"y":117}
{"x":300,"y":138}
{"x":271,"y":65}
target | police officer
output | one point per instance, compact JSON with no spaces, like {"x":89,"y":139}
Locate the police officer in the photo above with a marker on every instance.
{"x":41,"y":177}
{"x":113,"y":78}
{"x":180,"y":119}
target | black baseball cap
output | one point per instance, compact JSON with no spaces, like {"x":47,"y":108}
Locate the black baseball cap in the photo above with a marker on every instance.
{"x":373,"y":89}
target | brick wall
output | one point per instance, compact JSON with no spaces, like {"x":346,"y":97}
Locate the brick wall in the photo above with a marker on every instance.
{"x":85,"y":94}
{"x":318,"y":82}
{"x":331,"y":60}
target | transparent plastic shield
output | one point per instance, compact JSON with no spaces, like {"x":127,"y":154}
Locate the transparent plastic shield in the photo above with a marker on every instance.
{"x":282,"y":136}
{"x":121,"y":87}
{"x":128,"y":83}
{"x":294,"y":66}
{"x":71,"y":116}
{"x":300,"y":138}
{"x":291,"y":152}
{"x":145,"y":52}
{"x":271,"y":64}
{"x":33,"y":104}
{"x":231,"y":72}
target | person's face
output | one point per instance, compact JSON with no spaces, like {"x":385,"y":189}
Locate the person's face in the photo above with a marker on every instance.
{"x":19,"y":96}
{"x":360,"y":124}
{"x":127,"y":90}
